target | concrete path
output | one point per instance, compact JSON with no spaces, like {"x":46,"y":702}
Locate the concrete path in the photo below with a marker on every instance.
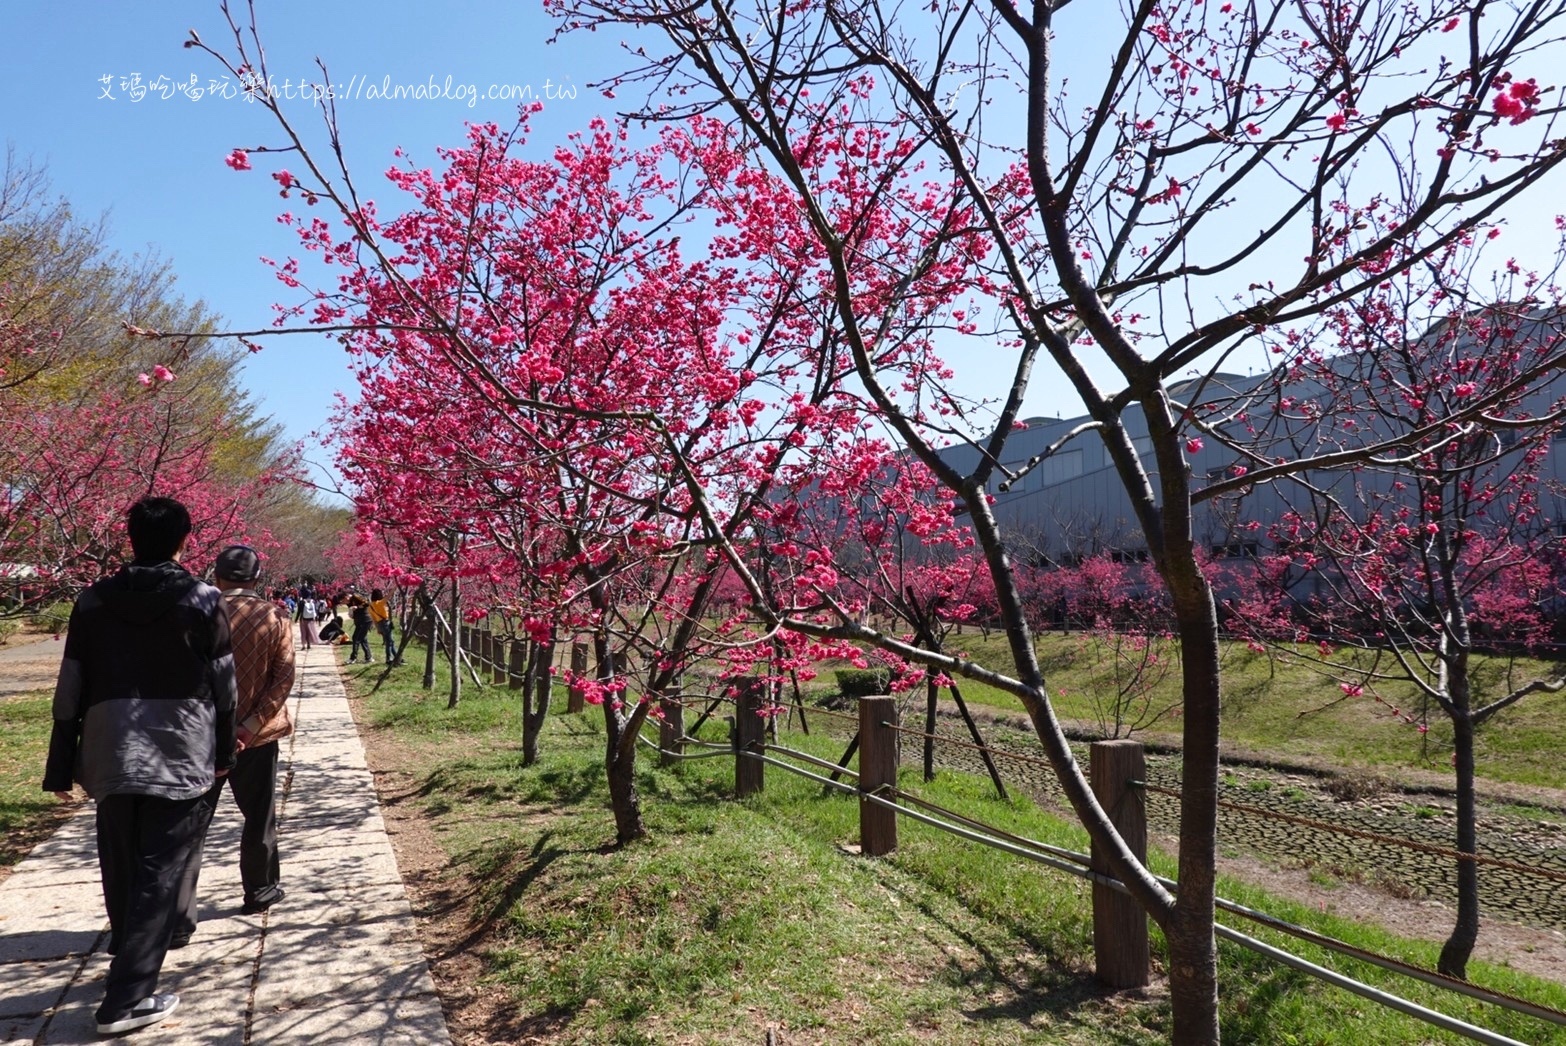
{"x":337,"y":961}
{"x":29,"y":664}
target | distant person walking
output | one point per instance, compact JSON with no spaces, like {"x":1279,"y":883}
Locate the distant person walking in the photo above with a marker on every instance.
{"x":144,"y":722}
{"x":380,"y":617}
{"x":360,"y":612}
{"x":306,"y":615}
{"x":264,"y":666}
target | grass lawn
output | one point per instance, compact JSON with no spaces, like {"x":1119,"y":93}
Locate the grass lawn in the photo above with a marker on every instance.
{"x":736,"y":917}
{"x":1286,"y":709}
{"x":27,"y":813}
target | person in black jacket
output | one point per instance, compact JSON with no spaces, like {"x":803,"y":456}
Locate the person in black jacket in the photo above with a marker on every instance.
{"x":144,"y":722}
{"x":361,"y":630}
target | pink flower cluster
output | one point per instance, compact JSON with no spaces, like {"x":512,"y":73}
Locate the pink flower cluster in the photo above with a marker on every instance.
{"x":1518,"y":101}
{"x":160,"y":372}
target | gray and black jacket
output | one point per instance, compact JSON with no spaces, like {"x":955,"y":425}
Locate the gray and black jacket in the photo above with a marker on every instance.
{"x":145,"y":700}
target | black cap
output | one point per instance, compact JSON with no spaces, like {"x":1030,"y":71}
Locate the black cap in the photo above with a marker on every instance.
{"x":238,"y":563}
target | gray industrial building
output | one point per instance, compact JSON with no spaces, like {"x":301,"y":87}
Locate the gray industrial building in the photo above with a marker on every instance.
{"x":1072,"y":503}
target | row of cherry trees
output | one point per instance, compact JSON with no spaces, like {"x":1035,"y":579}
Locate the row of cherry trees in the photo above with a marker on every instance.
{"x":97,"y":418}
{"x":687,"y":393}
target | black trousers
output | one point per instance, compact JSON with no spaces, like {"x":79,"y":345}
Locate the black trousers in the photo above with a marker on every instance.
{"x":253,"y":783}
{"x":144,"y":845}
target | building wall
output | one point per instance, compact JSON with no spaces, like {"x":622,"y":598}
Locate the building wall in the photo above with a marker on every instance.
{"x":1079,"y":506}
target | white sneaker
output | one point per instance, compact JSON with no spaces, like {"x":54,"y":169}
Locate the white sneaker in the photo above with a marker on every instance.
{"x":149,"y":1011}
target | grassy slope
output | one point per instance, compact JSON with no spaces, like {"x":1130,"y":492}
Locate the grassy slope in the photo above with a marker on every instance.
{"x":734,"y":917}
{"x":26,"y":812}
{"x":1289,"y":710}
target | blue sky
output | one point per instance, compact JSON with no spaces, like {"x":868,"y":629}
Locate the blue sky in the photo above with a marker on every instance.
{"x":155,"y":166}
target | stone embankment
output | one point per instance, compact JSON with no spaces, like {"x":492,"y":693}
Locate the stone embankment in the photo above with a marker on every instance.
{"x":1265,"y":807}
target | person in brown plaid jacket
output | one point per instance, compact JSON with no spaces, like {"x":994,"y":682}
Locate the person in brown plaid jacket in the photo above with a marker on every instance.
{"x":264,"y":666}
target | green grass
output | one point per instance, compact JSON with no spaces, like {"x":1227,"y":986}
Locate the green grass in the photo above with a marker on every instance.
{"x":1286,"y":709}
{"x":1535,"y":813}
{"x":27,"y":813}
{"x":738,"y":916}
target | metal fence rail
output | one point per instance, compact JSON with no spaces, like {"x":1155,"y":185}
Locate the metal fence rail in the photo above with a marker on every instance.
{"x":1076,"y":864}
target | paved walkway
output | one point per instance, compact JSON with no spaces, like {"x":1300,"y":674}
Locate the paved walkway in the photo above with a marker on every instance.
{"x":337,"y":961}
{"x":29,"y":664}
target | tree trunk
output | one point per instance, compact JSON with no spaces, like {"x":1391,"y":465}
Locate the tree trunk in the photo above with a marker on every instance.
{"x":574,"y":702}
{"x":978,"y":739}
{"x":932,"y":696}
{"x":620,"y":761}
{"x":1193,"y":983}
{"x":535,"y":702}
{"x":429,"y":648}
{"x":1139,"y":882}
{"x":619,"y":754}
{"x":799,"y":703}
{"x":456,"y":644}
{"x":778,"y":654}
{"x":1460,"y":945}
{"x":1193,"y":949}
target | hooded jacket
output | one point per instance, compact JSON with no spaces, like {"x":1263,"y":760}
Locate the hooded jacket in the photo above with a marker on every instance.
{"x":144,"y":704}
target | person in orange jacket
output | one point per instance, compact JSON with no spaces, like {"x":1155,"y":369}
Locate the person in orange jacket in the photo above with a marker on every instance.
{"x":264,"y":668}
{"x":380,"y":617}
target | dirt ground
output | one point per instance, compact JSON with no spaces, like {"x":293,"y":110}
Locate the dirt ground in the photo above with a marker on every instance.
{"x":477,"y":1014}
{"x":482,"y":1015}
{"x":1541,"y":953}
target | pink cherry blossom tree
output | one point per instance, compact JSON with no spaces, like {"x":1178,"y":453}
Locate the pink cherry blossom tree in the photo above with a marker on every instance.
{"x":866,"y":208}
{"x":99,"y":418}
{"x":540,"y":359}
{"x":84,"y":464}
{"x":1427,"y":556}
{"x":1355,"y":140}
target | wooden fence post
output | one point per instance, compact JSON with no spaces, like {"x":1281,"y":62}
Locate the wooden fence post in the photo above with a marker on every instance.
{"x":575,"y":698}
{"x":878,"y":757}
{"x":485,"y":649}
{"x":750,"y":735}
{"x":516,"y":668}
{"x":671,"y":728}
{"x":432,"y":638}
{"x":1119,"y":924}
{"x":497,"y":661}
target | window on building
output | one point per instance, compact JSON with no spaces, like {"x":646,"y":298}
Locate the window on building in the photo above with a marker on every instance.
{"x":1061,"y":467}
{"x":1223,"y":472}
{"x":1054,"y":469}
